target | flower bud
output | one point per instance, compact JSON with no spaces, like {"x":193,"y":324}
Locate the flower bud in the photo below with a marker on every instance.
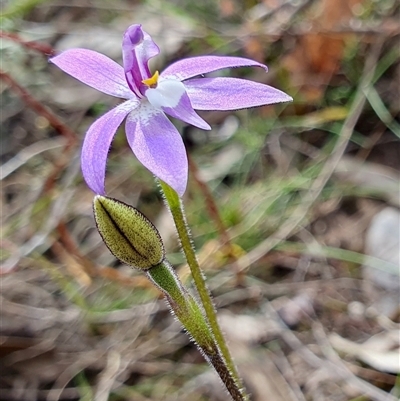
{"x":128,"y":234}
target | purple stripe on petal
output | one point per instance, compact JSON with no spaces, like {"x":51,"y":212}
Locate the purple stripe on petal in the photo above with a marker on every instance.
{"x":231,"y":94}
{"x":158,"y":146}
{"x":97,"y":143}
{"x":94,"y":69}
{"x":137,"y":49}
{"x":191,"y":67}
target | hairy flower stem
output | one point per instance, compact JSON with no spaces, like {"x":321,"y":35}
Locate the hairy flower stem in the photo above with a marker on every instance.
{"x":176,"y":207}
{"x":191,"y":316}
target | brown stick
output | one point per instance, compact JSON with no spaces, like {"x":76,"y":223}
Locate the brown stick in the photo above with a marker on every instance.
{"x":40,"y":109}
{"x":44,"y":48}
{"x":213,"y":211}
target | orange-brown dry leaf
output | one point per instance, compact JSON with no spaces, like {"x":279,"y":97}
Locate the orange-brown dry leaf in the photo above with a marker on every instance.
{"x":255,"y":48}
{"x":323,"y":53}
{"x":330,"y":14}
{"x":318,"y":54}
{"x":227,"y":8}
{"x":73,"y":265}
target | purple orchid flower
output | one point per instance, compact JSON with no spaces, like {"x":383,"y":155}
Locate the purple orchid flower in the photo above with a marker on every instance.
{"x":177,"y":91}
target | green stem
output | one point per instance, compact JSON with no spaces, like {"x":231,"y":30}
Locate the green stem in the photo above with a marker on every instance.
{"x":177,"y":210}
{"x":187,"y":310}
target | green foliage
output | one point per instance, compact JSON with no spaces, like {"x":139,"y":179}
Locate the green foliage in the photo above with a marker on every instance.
{"x":17,"y":8}
{"x":84,"y":388}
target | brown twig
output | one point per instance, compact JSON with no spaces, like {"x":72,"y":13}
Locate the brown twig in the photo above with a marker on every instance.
{"x":44,"y":48}
{"x":40,"y":109}
{"x":213,"y":211}
{"x":211,"y":206}
{"x":53,"y":120}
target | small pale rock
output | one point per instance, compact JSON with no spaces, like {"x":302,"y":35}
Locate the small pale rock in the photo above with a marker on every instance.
{"x":383,"y":242}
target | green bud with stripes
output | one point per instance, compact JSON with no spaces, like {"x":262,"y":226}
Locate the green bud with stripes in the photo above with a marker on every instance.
{"x":128,"y":234}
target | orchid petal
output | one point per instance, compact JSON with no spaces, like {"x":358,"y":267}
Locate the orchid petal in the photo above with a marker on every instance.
{"x":94,"y":69}
{"x":97,"y":143}
{"x":231,"y":94}
{"x":170,"y":96}
{"x":137,"y":49}
{"x":158,"y":146}
{"x":193,"y":66}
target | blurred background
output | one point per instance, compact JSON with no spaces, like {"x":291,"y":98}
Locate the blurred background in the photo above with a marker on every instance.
{"x":294,"y":208}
